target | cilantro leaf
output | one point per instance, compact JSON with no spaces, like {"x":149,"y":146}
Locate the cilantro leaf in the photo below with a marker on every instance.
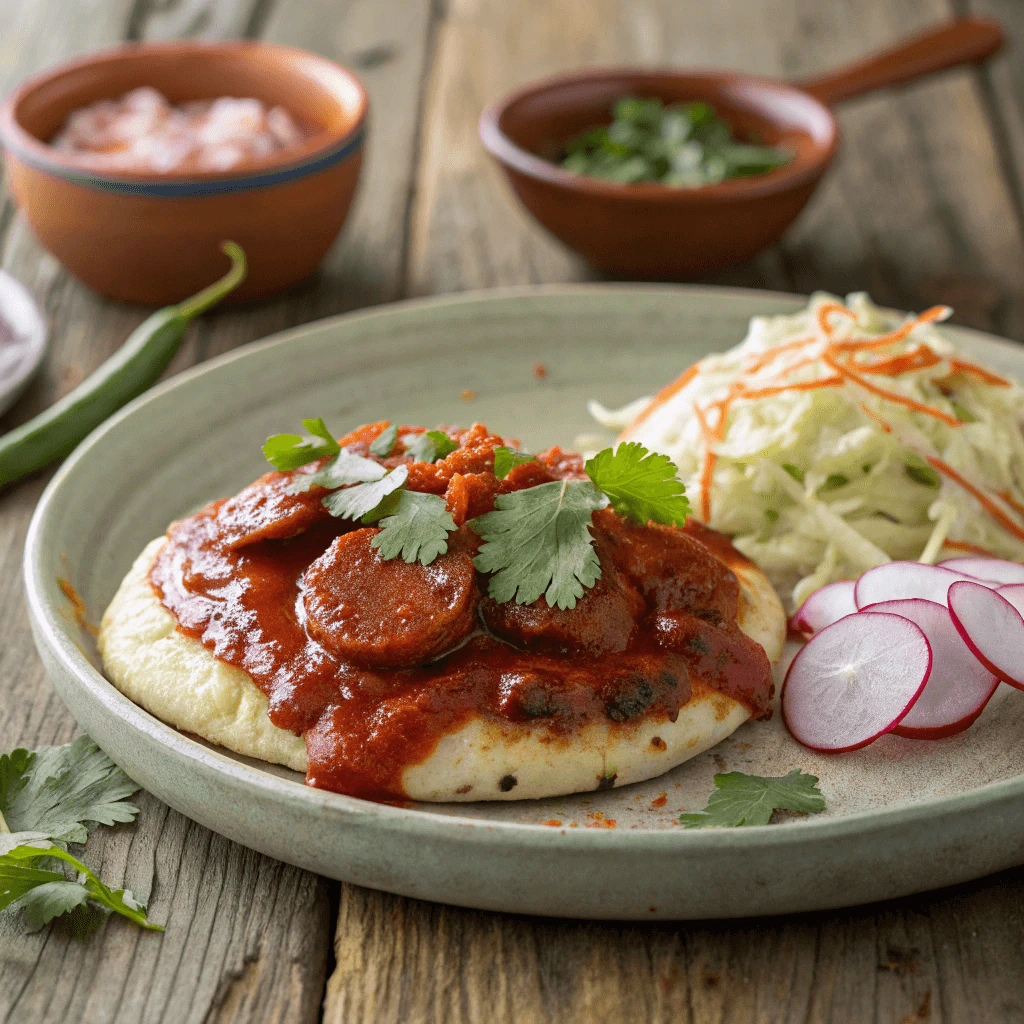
{"x":358,"y":501}
{"x":344,"y":469}
{"x":382,"y":444}
{"x":537,"y":542}
{"x":506,"y":459}
{"x":429,"y":446}
{"x":741,"y":799}
{"x":46,"y":894}
{"x":417,"y":528}
{"x":57,"y":792}
{"x":640,"y":484}
{"x":289,"y":451}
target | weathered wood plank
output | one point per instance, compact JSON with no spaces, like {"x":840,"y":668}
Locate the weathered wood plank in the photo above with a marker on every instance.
{"x":902,"y":215}
{"x":247,"y":938}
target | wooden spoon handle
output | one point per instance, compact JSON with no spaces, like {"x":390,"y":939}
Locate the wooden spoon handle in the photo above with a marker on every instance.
{"x":962,"y":41}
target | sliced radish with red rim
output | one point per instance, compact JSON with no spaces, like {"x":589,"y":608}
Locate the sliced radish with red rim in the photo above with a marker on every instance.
{"x":988,"y":570}
{"x":855,"y":681}
{"x":958,"y":686}
{"x":1014,"y":593}
{"x":899,"y":581}
{"x":825,"y":606}
{"x":992,"y":627}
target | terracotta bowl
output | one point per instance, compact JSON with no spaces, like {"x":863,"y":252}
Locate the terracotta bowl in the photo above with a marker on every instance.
{"x":658,"y":232}
{"x":155,"y":238}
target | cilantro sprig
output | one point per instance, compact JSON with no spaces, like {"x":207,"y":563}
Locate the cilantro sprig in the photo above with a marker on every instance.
{"x":536,"y":542}
{"x":50,"y":798}
{"x":430,"y":446}
{"x":740,"y":800}
{"x":506,"y":459}
{"x":640,"y":484}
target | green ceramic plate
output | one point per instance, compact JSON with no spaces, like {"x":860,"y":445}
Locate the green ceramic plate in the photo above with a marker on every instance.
{"x":903,"y":815}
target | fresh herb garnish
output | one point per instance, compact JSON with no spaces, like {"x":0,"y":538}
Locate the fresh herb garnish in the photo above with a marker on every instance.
{"x":416,"y":528}
{"x":44,"y":894}
{"x":794,"y":471}
{"x":58,"y":793}
{"x":641,"y":485}
{"x":506,"y":459}
{"x":340,"y":470}
{"x":537,"y":542}
{"x":382,"y":444}
{"x":682,"y":144}
{"x":741,"y":799}
{"x":48,"y":799}
{"x":289,"y":451}
{"x":360,"y":500}
{"x":430,"y":446}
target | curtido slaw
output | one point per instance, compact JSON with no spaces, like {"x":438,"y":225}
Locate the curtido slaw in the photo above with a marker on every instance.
{"x":835,"y":439}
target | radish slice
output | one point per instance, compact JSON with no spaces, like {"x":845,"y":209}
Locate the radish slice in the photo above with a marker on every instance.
{"x":855,"y":680}
{"x":1014,"y":593}
{"x":897,"y":581}
{"x":958,"y":686}
{"x":992,"y":627}
{"x":988,"y":570}
{"x":824,"y":607}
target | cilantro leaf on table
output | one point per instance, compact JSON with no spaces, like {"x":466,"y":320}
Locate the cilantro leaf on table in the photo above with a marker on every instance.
{"x":429,"y":446}
{"x":741,"y":799}
{"x":537,"y":541}
{"x":289,"y":451}
{"x":506,"y":459}
{"x":58,"y":792}
{"x":640,"y":484}
{"x":416,"y":528}
{"x":358,"y":501}
{"x":343,"y":469}
{"x":382,"y":444}
{"x":44,"y":894}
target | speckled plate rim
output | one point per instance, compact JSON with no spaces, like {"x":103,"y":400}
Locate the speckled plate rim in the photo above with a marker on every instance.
{"x":48,"y":624}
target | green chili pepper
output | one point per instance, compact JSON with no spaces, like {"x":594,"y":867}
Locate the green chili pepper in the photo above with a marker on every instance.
{"x":136,"y":365}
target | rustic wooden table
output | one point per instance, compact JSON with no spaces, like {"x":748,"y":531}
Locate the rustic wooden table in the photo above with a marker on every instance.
{"x":924,"y":205}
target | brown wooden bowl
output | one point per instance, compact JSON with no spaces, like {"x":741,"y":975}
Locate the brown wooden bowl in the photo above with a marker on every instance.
{"x":657,"y":231}
{"x":155,"y":238}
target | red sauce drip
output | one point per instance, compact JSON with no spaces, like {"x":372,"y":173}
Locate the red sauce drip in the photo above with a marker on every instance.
{"x":256,"y":577}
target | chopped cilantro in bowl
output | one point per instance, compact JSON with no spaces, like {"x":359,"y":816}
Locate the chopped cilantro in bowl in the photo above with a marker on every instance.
{"x":683,"y":145}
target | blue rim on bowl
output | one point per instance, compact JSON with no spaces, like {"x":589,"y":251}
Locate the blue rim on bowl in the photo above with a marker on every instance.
{"x":327,"y":147}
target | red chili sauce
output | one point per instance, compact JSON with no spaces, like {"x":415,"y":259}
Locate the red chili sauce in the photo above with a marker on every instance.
{"x":375,"y":661}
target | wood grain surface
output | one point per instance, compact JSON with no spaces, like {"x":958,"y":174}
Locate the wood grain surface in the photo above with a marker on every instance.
{"x":923,"y":205}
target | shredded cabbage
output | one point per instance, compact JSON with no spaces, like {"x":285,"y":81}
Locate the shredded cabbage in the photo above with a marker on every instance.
{"x":817,"y":484}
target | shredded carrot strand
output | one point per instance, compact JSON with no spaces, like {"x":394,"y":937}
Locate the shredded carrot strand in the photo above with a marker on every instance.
{"x":890,"y":396}
{"x":803,"y":385}
{"x":708,"y":467}
{"x":1012,"y":502}
{"x":885,"y":340}
{"x":962,"y":545}
{"x":769,"y":357}
{"x":974,"y":370}
{"x":871,"y":415}
{"x":920,"y":358}
{"x":982,"y":498}
{"x":663,"y":396}
{"x":827,"y":309}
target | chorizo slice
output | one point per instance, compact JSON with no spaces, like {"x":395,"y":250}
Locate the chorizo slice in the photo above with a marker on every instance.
{"x":387,"y":614}
{"x":674,"y":571}
{"x":268,"y":510}
{"x":604,"y":620}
